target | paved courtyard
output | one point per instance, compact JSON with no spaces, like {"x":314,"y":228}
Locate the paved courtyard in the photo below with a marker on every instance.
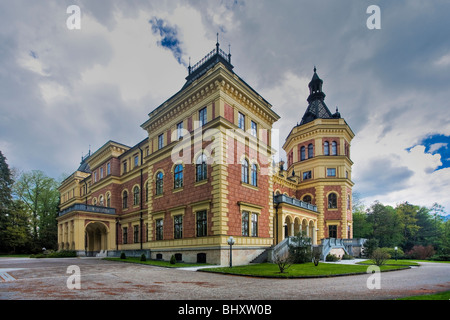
{"x":46,"y":279}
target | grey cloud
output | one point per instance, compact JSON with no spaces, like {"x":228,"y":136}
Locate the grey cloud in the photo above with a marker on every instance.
{"x":380,"y":176}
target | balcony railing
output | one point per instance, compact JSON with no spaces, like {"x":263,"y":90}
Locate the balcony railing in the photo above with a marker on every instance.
{"x":282,"y":198}
{"x":88,"y":208}
{"x":218,"y":51}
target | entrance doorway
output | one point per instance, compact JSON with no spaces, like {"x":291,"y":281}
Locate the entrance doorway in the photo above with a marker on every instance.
{"x":96,"y":236}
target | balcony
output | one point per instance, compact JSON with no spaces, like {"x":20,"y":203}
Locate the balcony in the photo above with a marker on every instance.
{"x":281,"y":198}
{"x":88,"y":208}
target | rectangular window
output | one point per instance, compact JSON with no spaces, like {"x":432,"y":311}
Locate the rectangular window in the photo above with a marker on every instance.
{"x":136,"y":161}
{"x":307,"y":175}
{"x":125,"y":235}
{"x":95,"y":176}
{"x":201,"y":223}
{"x":124,"y":167}
{"x":254,"y":224}
{"x":146,"y":232}
{"x":161,"y":141}
{"x":332,"y":231}
{"x":180,"y":130}
{"x":159,"y":229}
{"x":136,"y":234}
{"x":108,"y":168}
{"x":254,"y":129}
{"x":202,"y":116}
{"x":178,"y":226}
{"x":101,"y":172}
{"x":245,"y":226}
{"x":331,"y":172}
{"x":241,"y":121}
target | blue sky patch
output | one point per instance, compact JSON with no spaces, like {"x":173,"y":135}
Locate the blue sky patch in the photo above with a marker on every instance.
{"x":438,"y":144}
{"x":33,"y":54}
{"x":169,"y":37}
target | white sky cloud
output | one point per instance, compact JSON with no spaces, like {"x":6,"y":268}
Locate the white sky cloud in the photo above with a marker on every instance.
{"x":64,"y":90}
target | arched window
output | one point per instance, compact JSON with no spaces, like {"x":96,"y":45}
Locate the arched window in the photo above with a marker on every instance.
{"x":307,"y":199}
{"x":136,"y":196}
{"x":310,"y":151}
{"x":326,"y":148}
{"x":125,"y":200}
{"x":178,"y":176}
{"x":244,"y":171}
{"x":334,"y":148}
{"x":332,"y":201}
{"x":101,"y":201}
{"x":201,"y":168}
{"x":108,"y":200}
{"x":254,"y":175}
{"x":159,"y":183}
{"x":302,"y":153}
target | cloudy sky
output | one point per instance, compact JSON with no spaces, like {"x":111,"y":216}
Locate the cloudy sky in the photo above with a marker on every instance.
{"x":64,"y":90}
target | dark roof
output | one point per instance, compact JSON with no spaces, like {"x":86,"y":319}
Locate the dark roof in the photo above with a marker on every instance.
{"x":317,"y":109}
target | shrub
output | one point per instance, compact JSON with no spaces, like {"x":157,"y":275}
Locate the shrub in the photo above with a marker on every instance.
{"x":347,"y":257}
{"x":441,"y":257}
{"x":143,"y":257}
{"x":56,"y":254}
{"x":123,"y":256}
{"x":421,"y":252}
{"x":331,"y":257}
{"x":283,"y":262}
{"x":369,"y":247}
{"x":316,"y":253}
{"x":379,"y":257}
{"x":300,"y":250}
{"x":173,"y":260}
{"x":391,"y":251}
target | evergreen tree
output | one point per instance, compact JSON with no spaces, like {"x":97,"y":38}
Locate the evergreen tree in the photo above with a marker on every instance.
{"x":6,"y":183}
{"x":16,"y":235}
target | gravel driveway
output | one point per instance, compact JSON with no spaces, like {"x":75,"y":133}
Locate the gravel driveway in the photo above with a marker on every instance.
{"x":36,"y":279}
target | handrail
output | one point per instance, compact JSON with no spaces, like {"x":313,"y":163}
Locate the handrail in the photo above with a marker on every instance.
{"x":298,"y":203}
{"x":88,"y":208}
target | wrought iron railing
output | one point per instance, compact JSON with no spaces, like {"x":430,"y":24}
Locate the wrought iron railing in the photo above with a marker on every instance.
{"x":298,"y":203}
{"x":87,"y":208}
{"x":209,"y":56}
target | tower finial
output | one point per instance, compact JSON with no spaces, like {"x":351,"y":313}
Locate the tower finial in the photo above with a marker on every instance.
{"x":217,"y":44}
{"x":315,"y":69}
{"x":189,"y":68}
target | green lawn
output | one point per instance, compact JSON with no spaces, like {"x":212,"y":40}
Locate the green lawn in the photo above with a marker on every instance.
{"x":297,"y":270}
{"x":393,"y":262}
{"x":157,"y":262}
{"x":436,"y":296}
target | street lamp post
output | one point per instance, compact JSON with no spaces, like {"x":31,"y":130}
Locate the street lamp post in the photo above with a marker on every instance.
{"x":231,"y":242}
{"x":396,"y":248}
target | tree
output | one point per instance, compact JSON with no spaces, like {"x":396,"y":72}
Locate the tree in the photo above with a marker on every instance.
{"x":16,"y":234}
{"x":361,"y":228}
{"x":385,"y":225}
{"x":6,"y":183}
{"x":300,"y":251}
{"x":407,"y":214}
{"x":40,"y":195}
